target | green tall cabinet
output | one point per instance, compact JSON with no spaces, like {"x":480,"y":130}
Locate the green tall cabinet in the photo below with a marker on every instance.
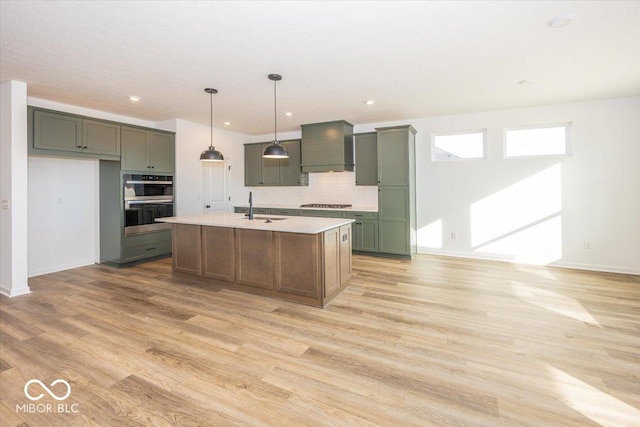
{"x":396,"y":190}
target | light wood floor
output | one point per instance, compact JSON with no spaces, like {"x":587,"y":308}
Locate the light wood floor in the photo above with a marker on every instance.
{"x":433,"y":341}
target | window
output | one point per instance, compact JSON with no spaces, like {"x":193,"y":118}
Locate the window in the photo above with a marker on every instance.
{"x":458,"y":145}
{"x":538,"y":141}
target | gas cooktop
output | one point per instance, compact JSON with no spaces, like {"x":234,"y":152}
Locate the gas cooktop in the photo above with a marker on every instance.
{"x":325,"y":205}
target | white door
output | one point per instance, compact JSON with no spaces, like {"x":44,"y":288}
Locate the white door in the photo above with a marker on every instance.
{"x":215,"y":179}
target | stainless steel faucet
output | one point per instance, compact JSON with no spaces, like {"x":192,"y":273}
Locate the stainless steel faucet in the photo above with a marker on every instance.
{"x":250,"y":204}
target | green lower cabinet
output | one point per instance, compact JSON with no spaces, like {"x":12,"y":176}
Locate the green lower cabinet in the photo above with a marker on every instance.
{"x":321,"y":213}
{"x":365,"y":235}
{"x":143,"y":246}
{"x":288,"y":212}
{"x":394,"y":219}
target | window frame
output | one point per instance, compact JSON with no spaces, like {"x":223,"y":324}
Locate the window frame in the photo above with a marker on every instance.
{"x":482,"y":131}
{"x":567,"y":134}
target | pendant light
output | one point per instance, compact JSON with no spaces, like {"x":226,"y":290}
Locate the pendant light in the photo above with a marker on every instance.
{"x":211,"y":154}
{"x":275,"y":150}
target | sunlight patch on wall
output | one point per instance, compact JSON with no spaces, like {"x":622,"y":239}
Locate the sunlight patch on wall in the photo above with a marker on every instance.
{"x":594,"y":404}
{"x":553,"y":301}
{"x":522,"y":220}
{"x":430,"y":236}
{"x":536,"y":244}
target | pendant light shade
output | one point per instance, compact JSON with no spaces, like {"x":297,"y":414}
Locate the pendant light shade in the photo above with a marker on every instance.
{"x":275,"y":150}
{"x":211,"y":154}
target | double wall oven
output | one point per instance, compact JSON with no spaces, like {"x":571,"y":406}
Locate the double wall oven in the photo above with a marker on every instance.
{"x":146,"y":197}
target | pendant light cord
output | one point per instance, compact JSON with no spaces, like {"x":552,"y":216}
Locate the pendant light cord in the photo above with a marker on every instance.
{"x":275,"y":113}
{"x":211,"y":127}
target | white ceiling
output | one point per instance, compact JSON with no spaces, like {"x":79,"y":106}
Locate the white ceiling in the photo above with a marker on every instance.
{"x":416,"y":59}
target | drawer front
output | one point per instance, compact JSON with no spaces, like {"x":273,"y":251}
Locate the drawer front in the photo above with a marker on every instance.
{"x":323,"y":213}
{"x":148,"y":250}
{"x":261,"y":210}
{"x":360,"y":215}
{"x":240,"y":210}
{"x":290,"y":212}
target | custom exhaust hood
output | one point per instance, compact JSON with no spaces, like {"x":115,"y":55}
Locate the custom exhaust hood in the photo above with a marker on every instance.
{"x":327,"y":147}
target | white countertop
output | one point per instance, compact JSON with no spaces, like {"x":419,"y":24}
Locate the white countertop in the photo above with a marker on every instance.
{"x":289,"y":224}
{"x":292,"y":206}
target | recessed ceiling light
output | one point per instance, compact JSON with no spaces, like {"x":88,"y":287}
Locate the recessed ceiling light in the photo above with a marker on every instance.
{"x":288,"y":114}
{"x":562,"y":20}
{"x":525,"y":82}
{"x":134,"y":98}
{"x":370,"y":102}
{"x":227,"y":123}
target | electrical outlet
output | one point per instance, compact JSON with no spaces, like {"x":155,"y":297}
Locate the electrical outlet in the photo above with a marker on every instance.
{"x":454,"y":235}
{"x":587,"y":245}
{"x":6,"y":205}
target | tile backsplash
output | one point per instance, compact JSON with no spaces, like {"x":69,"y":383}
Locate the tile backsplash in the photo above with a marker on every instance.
{"x":327,"y":187}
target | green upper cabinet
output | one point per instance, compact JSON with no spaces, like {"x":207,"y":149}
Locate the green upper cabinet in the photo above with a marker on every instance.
{"x":101,"y":137}
{"x":327,"y":147}
{"x":162,"y":151}
{"x":394,"y":155}
{"x":55,"y":131}
{"x":74,"y":134}
{"x":290,"y":170}
{"x":366,"y":154}
{"x":260,"y":171}
{"x":252,"y":165}
{"x":147,"y":150}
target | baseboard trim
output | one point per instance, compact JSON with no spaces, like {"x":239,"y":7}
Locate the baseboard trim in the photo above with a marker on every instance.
{"x":14,"y":292}
{"x":560,"y":264}
{"x":63,"y":267}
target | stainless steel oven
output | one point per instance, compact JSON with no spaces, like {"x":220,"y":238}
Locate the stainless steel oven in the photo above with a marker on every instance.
{"x":146,"y":197}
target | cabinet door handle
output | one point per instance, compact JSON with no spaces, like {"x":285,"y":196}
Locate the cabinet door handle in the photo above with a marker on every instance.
{"x":150,"y":249}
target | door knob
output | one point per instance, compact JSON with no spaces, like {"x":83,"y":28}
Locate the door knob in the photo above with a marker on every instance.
{"x":207,"y":206}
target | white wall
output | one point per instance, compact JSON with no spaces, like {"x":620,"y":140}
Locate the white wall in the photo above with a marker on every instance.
{"x":536,"y":210}
{"x":191,"y":140}
{"x":63,"y":214}
{"x":13,"y":188}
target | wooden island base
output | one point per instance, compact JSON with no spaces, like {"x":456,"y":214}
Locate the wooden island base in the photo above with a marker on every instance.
{"x":310,"y":269}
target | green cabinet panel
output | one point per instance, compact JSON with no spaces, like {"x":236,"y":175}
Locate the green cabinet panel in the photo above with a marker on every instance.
{"x":365,"y":235}
{"x":321,"y":213}
{"x":359,"y":215}
{"x":146,"y":150}
{"x":239,"y":209}
{"x":252,"y":165}
{"x":162,"y":151}
{"x":290,"y":170}
{"x":394,"y":237}
{"x":394,"y":151}
{"x":289,"y":212}
{"x":327,"y":146}
{"x":101,"y":137}
{"x":366,"y":155}
{"x":260,"y":171}
{"x":270,"y":169}
{"x":54,"y":131}
{"x":135,"y":144}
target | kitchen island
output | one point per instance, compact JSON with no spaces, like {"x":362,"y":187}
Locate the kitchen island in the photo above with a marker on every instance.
{"x":299,"y":259}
